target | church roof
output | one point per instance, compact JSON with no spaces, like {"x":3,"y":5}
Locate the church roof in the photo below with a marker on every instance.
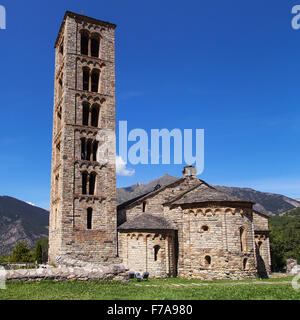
{"x":148,"y":194}
{"x":147,"y":222}
{"x":260,"y":213}
{"x":203,"y":192}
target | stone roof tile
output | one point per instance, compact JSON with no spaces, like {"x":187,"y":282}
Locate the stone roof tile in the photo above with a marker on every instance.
{"x":203,"y":192}
{"x":147,"y":222}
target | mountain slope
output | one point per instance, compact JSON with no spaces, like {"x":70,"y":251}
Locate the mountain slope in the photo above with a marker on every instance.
{"x":293,"y":212}
{"x":20,"y":221}
{"x":124,"y":194}
{"x":269,"y":203}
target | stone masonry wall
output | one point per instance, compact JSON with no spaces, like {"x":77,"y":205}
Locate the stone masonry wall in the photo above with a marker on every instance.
{"x":154,"y":204}
{"x":137,"y":252}
{"x":213,"y":232}
{"x":207,"y":232}
{"x":262,"y":243}
{"x":68,"y":234}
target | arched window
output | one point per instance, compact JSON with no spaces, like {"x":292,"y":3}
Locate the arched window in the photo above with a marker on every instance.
{"x":57,"y":153}
{"x":95,"y":149}
{"x":84,"y":43}
{"x":89,"y":218}
{"x":84,"y":182}
{"x":95,"y":115}
{"x":144,"y":206}
{"x":86,"y":79}
{"x":82,"y":148}
{"x":95,"y":45}
{"x":95,"y":80}
{"x":85,"y":114}
{"x":156,"y":250}
{"x":259,"y":247}
{"x":60,"y":88}
{"x":58,"y":121}
{"x":61,"y":49}
{"x":243,"y":239}
{"x":56,"y":185}
{"x":55,"y":219}
{"x":245,"y":261}
{"x":92,"y":183}
{"x":88,"y":150}
{"x":207,"y":261}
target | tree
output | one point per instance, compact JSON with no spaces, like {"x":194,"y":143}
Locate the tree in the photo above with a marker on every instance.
{"x":21,"y":253}
{"x":285,"y":238}
{"x":41,"y":251}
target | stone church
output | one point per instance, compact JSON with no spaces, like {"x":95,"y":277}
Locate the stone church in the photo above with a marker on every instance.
{"x":187,"y":228}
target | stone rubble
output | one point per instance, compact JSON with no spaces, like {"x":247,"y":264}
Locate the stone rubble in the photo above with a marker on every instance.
{"x":69,"y":270}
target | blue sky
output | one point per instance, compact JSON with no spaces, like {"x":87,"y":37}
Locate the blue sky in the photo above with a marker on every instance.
{"x":229,"y":67}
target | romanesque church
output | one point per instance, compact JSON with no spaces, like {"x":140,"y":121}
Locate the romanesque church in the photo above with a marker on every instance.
{"x":186,"y":228}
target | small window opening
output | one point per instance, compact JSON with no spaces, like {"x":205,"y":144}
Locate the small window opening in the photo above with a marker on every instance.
{"x":82,"y":148}
{"x":204,"y":228}
{"x":61,"y":49}
{"x":207,"y":260}
{"x":86,"y":79}
{"x":245,"y":261}
{"x":144,"y":206}
{"x":57,"y":153}
{"x":84,"y":43}
{"x":88,"y":150}
{"x":56,"y":185}
{"x":156,"y":250}
{"x":60,"y":88}
{"x":95,"y":116}
{"x":84,"y":182}
{"x":243,"y":239}
{"x":95,"y":149}
{"x":95,"y":80}
{"x":89,"y":218}
{"x":260,"y":247}
{"x":95,"y":42}
{"x":92,"y":183}
{"x":85,"y":114}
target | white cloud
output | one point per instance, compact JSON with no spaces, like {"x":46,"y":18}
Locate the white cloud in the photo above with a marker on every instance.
{"x":32,"y":204}
{"x":121,"y":168}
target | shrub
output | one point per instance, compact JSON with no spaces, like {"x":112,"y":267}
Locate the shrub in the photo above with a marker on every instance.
{"x":21,"y":253}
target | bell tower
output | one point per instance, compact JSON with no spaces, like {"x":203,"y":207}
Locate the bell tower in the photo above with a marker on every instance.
{"x":83,"y":179}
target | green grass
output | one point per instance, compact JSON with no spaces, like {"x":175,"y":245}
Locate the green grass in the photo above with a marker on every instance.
{"x":216,"y":290}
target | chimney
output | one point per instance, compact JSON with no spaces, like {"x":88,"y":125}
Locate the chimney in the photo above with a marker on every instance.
{"x":189,"y":171}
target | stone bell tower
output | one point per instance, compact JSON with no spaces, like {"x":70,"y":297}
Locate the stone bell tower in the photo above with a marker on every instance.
{"x":83,"y":174}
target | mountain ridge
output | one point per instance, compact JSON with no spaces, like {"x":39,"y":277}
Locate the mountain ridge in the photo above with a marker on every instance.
{"x":20,"y":221}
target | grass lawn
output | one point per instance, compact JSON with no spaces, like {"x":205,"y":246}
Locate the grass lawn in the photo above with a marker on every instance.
{"x":171,"y":289}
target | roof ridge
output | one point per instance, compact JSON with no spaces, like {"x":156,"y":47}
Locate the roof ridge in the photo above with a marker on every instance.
{"x":121,"y":205}
{"x":204,"y":194}
{"x":183,"y":193}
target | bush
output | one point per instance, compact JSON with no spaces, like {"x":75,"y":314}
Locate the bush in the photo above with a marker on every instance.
{"x":284,"y":239}
{"x":41,"y":251}
{"x":21,"y":253}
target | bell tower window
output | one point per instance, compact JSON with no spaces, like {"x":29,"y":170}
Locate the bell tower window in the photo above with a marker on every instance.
{"x":86,"y":79}
{"x":84,"y":43}
{"x":95,"y":44}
